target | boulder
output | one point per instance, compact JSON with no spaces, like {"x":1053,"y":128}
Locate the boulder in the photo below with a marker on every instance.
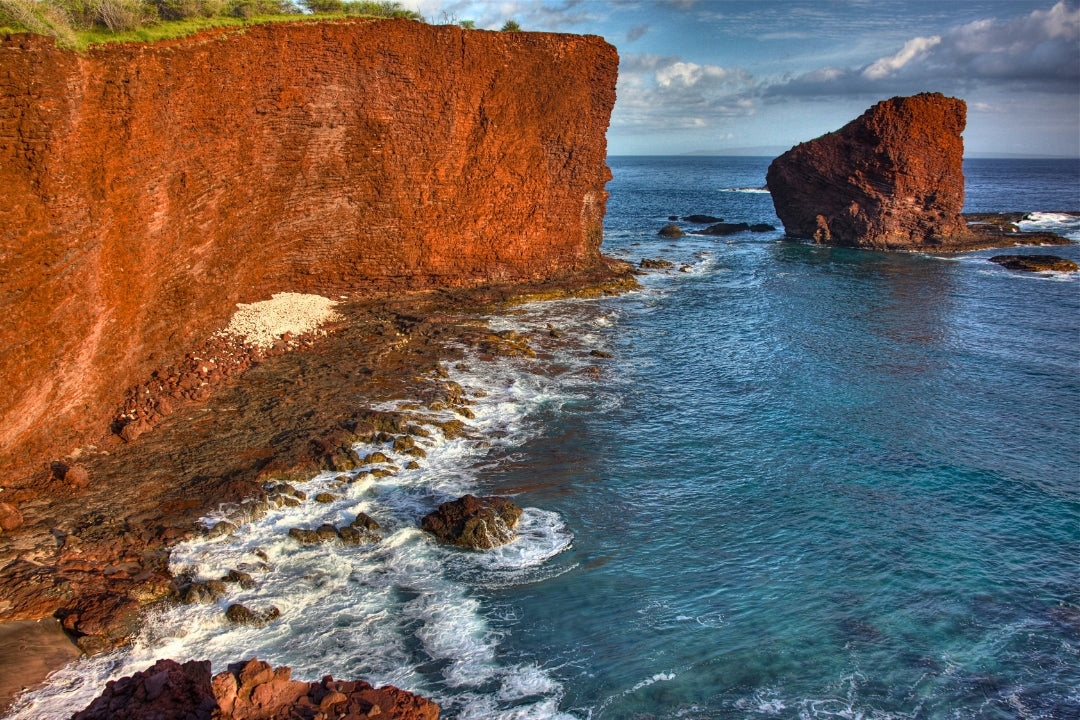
{"x":671,"y":231}
{"x":251,"y":690}
{"x":724,"y":229}
{"x":658,"y":264}
{"x":890,"y":179}
{"x":1035,"y":263}
{"x":474,"y":522}
{"x":241,"y":615}
{"x":10,"y":517}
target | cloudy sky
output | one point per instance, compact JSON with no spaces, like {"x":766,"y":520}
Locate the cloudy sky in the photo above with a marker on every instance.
{"x":718,"y":76}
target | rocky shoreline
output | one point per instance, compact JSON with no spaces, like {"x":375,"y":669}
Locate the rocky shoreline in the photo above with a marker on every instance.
{"x":94,"y":553}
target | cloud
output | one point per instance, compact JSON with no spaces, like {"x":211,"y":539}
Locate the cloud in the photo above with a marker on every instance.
{"x":1037,"y":51}
{"x":912,"y":49}
{"x":636,"y":32}
{"x":666,"y":92}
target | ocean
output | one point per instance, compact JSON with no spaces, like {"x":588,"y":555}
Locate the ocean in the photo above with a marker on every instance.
{"x":811,"y":483}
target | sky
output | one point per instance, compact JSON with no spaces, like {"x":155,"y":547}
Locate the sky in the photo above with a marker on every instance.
{"x":759,"y":76}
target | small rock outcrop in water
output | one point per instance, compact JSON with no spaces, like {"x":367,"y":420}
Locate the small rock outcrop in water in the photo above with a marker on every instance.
{"x":891,"y":179}
{"x":474,"y":522}
{"x":247,"y":691}
{"x":671,"y":231}
{"x":1035,"y":263}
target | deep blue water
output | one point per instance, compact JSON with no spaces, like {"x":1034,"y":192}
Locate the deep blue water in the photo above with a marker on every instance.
{"x":811,"y":483}
{"x":814,"y":482}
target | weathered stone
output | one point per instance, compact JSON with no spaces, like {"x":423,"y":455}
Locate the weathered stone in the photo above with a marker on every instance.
{"x":304,"y":537}
{"x":657,"y":264}
{"x":891,"y":179}
{"x":365,"y":522}
{"x":10,"y":517}
{"x":241,"y":615}
{"x":703,"y":219}
{"x":375,"y":457}
{"x":474,"y":522}
{"x":325,"y":497}
{"x":242,"y":578}
{"x":251,"y":690}
{"x":671,"y":231}
{"x":601,"y":354}
{"x":1035,"y":263}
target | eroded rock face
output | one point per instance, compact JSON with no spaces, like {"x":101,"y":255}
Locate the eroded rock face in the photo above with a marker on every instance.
{"x":358,"y":155}
{"x":891,"y":179}
{"x":247,"y":691}
{"x":474,"y":522}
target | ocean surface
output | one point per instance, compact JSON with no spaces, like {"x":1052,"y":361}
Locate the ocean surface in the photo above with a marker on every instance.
{"x":811,"y":483}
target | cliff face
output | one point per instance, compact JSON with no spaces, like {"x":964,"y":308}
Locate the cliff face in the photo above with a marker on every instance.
{"x":891,"y":179}
{"x":145,"y":190}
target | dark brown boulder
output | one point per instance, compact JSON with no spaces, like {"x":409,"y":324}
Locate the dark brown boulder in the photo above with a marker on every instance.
{"x":474,"y":522}
{"x":247,"y":691}
{"x":671,"y":231}
{"x":724,"y":229}
{"x":890,"y":179}
{"x":1035,"y":263}
{"x":703,"y":219}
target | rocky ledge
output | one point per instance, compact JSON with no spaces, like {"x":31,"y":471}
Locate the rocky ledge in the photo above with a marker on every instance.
{"x":480,"y":523}
{"x":249,"y":690}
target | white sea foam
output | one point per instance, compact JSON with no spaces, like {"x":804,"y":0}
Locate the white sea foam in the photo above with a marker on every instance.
{"x":1060,"y":223}
{"x":401,"y":611}
{"x":754,"y":190}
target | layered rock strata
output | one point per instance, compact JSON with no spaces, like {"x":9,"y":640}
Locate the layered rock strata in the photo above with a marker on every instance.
{"x":890,"y":179}
{"x":148,"y":189}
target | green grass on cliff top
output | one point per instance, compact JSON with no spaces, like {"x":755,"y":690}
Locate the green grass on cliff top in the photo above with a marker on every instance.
{"x":79,"y":24}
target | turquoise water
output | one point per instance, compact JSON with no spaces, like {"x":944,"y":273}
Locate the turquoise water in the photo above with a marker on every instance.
{"x":814,"y":482}
{"x":811,"y":483}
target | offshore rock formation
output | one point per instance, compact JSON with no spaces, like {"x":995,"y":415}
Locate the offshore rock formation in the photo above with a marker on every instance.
{"x":247,"y":691}
{"x":479,"y":523}
{"x":891,"y":179}
{"x":1035,"y":263}
{"x":147,"y":189}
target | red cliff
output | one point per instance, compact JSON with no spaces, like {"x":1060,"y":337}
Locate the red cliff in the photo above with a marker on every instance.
{"x":890,"y":179}
{"x":147,"y":189}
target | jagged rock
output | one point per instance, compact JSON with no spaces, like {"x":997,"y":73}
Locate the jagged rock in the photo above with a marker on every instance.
{"x":365,"y":522}
{"x":474,"y":522}
{"x":241,"y":615}
{"x":703,"y":219}
{"x":242,"y":578}
{"x":325,"y":497}
{"x":304,"y":537}
{"x":671,"y":231}
{"x":890,"y":179}
{"x":203,"y":593}
{"x":601,"y":354}
{"x":354,"y":536}
{"x":249,"y":690}
{"x":1035,"y":263}
{"x":651,"y":264}
{"x":375,"y":457}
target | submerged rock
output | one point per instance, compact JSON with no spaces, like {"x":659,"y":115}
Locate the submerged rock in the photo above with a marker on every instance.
{"x":671,"y":231}
{"x":249,"y":690}
{"x":724,"y":229}
{"x":890,"y":179}
{"x":474,"y":522}
{"x":657,"y":264}
{"x":703,"y":219}
{"x":1035,"y":263}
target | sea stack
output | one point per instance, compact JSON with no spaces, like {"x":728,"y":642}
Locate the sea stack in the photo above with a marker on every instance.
{"x":890,"y":179}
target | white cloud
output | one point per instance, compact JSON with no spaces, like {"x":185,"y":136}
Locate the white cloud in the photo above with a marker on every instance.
{"x":686,"y":74}
{"x":1037,"y":51}
{"x":888,"y":65}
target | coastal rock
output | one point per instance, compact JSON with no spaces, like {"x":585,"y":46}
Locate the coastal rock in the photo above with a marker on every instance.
{"x":671,"y":231}
{"x":1035,"y":263}
{"x":657,"y":264}
{"x":890,"y":179}
{"x":126,"y":193}
{"x":703,"y":219}
{"x":724,"y":229}
{"x":242,"y":615}
{"x":10,"y":517}
{"x":474,"y":522}
{"x":247,"y":691}
{"x":761,"y":227}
